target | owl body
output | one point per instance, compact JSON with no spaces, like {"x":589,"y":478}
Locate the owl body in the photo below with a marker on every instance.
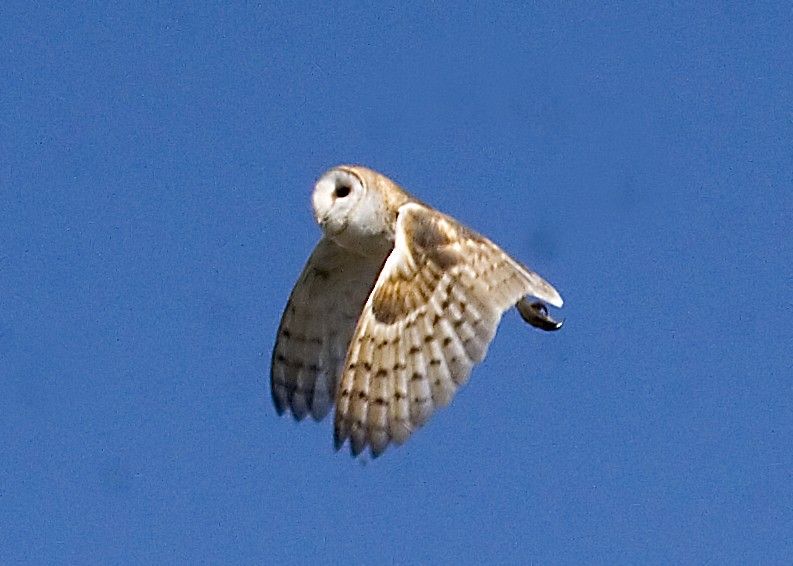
{"x":394,"y":307}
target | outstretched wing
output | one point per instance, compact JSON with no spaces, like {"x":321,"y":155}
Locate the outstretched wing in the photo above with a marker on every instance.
{"x":430,"y":318}
{"x":316,"y":327}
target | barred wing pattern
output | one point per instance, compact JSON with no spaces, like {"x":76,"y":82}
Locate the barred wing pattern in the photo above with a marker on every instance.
{"x":316,"y":327}
{"x":431,"y":315}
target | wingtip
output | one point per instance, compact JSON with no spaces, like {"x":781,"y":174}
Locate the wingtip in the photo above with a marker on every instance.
{"x":555,"y":299}
{"x":280,"y":407}
{"x":337,"y":441}
{"x":536,"y":314}
{"x":377,"y":447}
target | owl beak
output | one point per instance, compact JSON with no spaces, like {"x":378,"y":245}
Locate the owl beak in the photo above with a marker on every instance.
{"x":331,"y":229}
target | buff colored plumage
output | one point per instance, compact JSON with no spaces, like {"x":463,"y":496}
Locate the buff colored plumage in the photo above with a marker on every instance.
{"x":393,"y":309}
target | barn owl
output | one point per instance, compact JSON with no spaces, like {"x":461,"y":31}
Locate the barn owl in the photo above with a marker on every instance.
{"x":395,"y":306}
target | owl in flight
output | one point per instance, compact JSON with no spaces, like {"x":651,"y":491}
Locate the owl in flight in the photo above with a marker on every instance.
{"x":394,"y":307}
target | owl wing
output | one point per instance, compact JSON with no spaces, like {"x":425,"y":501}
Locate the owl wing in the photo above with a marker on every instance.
{"x":431,"y":316}
{"x":316,"y":327}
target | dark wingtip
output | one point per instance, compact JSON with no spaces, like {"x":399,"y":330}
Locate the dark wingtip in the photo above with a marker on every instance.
{"x":356,"y":447}
{"x":536,"y":314}
{"x":279,"y":404}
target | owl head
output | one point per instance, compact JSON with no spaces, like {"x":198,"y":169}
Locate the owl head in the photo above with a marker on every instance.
{"x":354,"y":210}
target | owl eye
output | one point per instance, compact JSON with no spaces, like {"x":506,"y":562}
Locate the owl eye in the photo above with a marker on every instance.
{"x":341,"y":191}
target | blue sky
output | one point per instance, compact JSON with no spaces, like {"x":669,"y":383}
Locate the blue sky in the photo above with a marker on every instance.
{"x":155,"y":172}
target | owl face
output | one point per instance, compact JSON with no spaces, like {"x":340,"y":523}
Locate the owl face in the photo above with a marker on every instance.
{"x":349,"y":212}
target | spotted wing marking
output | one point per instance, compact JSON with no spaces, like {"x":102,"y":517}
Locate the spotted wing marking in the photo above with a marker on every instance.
{"x":432,"y":314}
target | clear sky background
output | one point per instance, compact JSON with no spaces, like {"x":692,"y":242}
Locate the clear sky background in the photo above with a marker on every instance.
{"x":156,"y":165}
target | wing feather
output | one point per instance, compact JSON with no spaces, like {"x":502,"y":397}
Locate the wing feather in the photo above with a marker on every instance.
{"x":316,"y":328}
{"x":430,"y":317}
